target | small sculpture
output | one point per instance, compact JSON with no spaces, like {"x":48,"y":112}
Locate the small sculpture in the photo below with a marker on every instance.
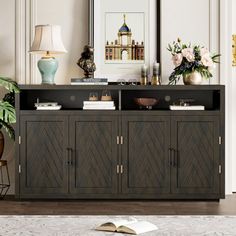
{"x":86,"y":62}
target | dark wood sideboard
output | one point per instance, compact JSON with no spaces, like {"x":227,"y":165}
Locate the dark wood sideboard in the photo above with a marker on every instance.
{"x":123,"y":154}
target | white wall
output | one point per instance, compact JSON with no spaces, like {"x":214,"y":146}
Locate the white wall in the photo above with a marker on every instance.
{"x":7,"y":38}
{"x":177,"y":21}
{"x":233,"y":111}
{"x":72,"y":15}
{"x":7,"y":65}
{"x":195,"y":21}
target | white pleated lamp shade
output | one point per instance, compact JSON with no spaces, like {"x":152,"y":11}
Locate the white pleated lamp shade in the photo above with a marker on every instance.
{"x":47,"y":39}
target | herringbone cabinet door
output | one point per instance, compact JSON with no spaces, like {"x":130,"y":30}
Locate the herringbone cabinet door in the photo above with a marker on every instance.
{"x":145,"y":155}
{"x":195,"y":140}
{"x":93,"y":139}
{"x":43,"y":155}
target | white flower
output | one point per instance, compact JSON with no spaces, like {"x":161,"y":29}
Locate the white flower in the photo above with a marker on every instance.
{"x":188,"y":54}
{"x":207,"y":61}
{"x":177,"y":59}
{"x":204,"y":52}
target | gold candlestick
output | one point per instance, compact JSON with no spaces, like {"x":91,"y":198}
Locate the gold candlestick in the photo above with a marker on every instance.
{"x":156,"y":71}
{"x":144,"y":75}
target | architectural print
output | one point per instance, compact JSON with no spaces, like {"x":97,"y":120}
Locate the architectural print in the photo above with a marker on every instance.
{"x":125,"y":48}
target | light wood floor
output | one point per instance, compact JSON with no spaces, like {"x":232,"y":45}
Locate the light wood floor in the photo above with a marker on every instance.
{"x":224,"y":207}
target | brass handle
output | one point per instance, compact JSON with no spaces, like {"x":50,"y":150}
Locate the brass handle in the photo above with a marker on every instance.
{"x":117,"y":140}
{"x":121,"y":140}
{"x":121,"y":169}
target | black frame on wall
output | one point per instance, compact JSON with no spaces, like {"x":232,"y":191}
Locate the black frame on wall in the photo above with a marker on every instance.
{"x":158,"y":25}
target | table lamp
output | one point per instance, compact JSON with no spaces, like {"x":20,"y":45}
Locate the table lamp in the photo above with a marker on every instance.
{"x":47,"y":40}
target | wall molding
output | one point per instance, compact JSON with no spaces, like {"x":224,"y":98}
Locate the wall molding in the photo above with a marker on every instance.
{"x":214,"y":35}
{"x":26,"y":16}
{"x":33,"y":58}
{"x":226,"y":79}
{"x":20,"y":41}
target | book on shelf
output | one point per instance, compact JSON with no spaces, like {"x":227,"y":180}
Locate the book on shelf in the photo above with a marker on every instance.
{"x":99,"y":108}
{"x":90,"y":81}
{"x":128,"y":227}
{"x":45,"y":104}
{"x":48,"y":108}
{"x":99,"y":103}
{"x":187,"y":108}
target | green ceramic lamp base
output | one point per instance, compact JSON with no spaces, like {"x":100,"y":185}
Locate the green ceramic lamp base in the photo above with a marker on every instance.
{"x":48,"y":68}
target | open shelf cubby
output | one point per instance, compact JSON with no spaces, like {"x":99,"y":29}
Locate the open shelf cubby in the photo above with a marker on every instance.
{"x":72,"y":97}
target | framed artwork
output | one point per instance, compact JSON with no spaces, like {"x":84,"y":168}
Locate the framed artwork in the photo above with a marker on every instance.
{"x":125,"y":35}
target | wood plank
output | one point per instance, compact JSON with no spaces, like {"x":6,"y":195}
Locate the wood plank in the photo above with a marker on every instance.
{"x":122,"y":87}
{"x":224,"y":207}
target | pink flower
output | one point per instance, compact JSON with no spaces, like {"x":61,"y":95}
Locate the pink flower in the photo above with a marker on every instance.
{"x":177,"y":59}
{"x":207,"y":61}
{"x":188,"y":54}
{"x":204,"y":51}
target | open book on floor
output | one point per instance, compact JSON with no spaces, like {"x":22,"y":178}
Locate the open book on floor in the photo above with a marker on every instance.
{"x":128,"y":227}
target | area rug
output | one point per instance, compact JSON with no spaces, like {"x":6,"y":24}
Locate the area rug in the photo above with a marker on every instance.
{"x":85,"y":225}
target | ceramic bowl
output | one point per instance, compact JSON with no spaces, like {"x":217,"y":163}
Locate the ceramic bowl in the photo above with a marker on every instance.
{"x":146,"y":102}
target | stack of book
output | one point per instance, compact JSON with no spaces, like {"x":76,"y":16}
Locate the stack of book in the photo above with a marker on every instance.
{"x":92,"y":81}
{"x":47,"y":106}
{"x":99,"y":105}
{"x":187,"y":108}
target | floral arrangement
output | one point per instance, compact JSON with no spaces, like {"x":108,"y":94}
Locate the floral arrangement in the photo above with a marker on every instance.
{"x":188,"y":59}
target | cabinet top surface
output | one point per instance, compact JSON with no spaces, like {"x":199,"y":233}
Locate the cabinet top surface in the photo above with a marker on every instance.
{"x":121,"y":87}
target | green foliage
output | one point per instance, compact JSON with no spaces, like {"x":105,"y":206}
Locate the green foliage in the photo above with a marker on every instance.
{"x":7,"y":112}
{"x":7,"y":109}
{"x":8,"y":128}
{"x":9,"y":84}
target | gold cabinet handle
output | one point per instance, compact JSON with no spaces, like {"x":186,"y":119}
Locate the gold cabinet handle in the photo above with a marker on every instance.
{"x":121,"y":140}
{"x":118,"y":140}
{"x":117,"y":169}
{"x":121,"y":169}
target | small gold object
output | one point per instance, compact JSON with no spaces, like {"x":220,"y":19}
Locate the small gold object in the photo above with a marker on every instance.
{"x":144,"y":80}
{"x":106,"y":96}
{"x":156,"y":74}
{"x":234,"y":50}
{"x":194,"y":78}
{"x":93,"y":96}
{"x":144,"y":75}
{"x":155,"y":80}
